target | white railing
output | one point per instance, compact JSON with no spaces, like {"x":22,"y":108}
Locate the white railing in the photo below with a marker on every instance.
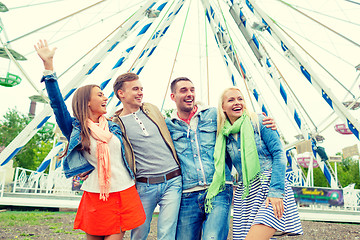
{"x":55,"y":183}
{"x":2,"y":181}
{"x":28,"y":181}
{"x":351,"y":198}
{"x":294,"y":177}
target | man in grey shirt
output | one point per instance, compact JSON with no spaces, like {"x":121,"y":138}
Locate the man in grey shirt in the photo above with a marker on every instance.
{"x":157,"y":169}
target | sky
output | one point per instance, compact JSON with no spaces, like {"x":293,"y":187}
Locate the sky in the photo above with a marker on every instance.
{"x":195,"y":56}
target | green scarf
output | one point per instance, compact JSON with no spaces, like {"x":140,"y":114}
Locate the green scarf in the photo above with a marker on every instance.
{"x":249,"y":158}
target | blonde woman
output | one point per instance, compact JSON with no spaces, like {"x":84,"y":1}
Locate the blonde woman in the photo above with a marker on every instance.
{"x":110,"y":204}
{"x":264,"y":203}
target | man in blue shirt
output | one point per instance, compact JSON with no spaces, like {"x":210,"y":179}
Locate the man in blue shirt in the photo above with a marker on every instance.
{"x":193,"y":130}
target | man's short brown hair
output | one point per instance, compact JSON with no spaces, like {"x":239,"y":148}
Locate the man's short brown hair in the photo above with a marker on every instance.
{"x":119,"y":82}
{"x":175,"y":81}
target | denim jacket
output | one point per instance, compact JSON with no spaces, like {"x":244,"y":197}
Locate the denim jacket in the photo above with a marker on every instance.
{"x":271,"y":156}
{"x":74,"y":162}
{"x":195,"y":147}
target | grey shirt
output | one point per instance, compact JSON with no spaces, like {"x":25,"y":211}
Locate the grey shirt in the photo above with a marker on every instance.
{"x":152,"y":156}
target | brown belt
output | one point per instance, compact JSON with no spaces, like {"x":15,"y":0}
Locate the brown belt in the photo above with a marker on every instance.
{"x":160,"y":179}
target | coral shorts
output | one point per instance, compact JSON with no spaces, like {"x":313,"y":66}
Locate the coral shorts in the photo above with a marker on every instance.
{"x":121,"y":212}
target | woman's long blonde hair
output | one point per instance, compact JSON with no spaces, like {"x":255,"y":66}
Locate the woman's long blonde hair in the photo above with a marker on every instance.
{"x":221,"y":116}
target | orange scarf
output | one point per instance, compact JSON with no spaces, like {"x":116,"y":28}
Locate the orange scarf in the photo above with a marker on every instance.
{"x":102,"y":136}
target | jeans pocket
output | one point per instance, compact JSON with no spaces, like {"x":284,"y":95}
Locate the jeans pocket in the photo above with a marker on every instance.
{"x":228,"y":194}
{"x":186,"y":195}
{"x":176,"y":182}
{"x":141,"y":188}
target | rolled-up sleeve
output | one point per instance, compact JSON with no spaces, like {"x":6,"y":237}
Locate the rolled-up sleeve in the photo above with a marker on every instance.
{"x":272,"y":141}
{"x":57,"y":103}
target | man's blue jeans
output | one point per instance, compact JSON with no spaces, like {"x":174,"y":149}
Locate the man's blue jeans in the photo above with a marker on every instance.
{"x":167,"y":195}
{"x":194,"y":222}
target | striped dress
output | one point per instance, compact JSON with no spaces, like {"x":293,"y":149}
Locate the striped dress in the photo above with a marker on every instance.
{"x":251,"y":210}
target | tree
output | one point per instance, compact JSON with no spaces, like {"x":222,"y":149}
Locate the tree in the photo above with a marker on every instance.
{"x":348,"y":172}
{"x":33,"y":153}
{"x":319,"y":178}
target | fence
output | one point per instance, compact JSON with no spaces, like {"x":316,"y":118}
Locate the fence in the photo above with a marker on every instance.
{"x":28,"y":181}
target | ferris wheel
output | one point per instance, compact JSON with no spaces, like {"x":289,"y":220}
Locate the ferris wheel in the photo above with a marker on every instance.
{"x":292,"y":61}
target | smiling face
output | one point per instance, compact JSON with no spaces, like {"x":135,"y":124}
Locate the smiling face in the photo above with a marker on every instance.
{"x":233,"y":104}
{"x":97,"y":103}
{"x":184,"y":96}
{"x":131,"y":95}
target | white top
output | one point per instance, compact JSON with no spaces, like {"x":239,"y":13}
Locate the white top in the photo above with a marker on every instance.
{"x":120,"y":176}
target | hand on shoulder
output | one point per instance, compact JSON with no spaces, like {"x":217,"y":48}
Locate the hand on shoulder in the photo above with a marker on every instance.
{"x":269,"y":122}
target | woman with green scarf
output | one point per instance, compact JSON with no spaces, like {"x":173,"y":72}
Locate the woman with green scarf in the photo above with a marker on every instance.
{"x":264,"y":203}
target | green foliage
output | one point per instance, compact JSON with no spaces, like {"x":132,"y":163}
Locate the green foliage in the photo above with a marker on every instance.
{"x":33,"y":153}
{"x":319,"y":178}
{"x":168,"y":112}
{"x":348,"y":172}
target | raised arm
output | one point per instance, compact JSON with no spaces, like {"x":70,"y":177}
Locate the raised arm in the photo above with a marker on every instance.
{"x":45,"y":54}
{"x":62,"y":115}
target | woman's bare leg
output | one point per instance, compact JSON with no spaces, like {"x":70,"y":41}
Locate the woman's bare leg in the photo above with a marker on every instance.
{"x":260,"y":232}
{"x":118,"y":236}
{"x":94,"y":237}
